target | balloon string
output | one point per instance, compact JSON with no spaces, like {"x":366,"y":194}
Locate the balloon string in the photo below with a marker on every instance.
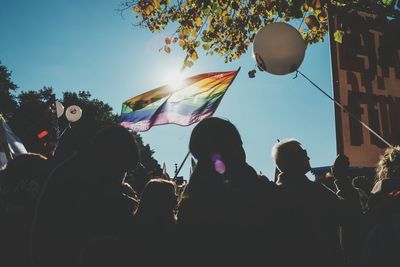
{"x":63,"y":132}
{"x":301,"y":23}
{"x":344,"y":109}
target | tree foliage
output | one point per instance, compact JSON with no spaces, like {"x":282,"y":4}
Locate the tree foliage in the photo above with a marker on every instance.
{"x":24,"y":116}
{"x":227,"y":28}
{"x":7,"y":99}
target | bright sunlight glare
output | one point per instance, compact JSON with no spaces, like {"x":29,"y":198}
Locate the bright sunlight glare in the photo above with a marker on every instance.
{"x":174,"y":79}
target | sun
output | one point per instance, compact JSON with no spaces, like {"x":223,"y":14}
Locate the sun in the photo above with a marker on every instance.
{"x":174,"y":79}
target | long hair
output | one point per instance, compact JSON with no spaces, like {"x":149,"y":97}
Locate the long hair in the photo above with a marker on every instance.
{"x":158,"y":200}
{"x":389,"y":164}
{"x":217,"y":145}
{"x":216,"y":136}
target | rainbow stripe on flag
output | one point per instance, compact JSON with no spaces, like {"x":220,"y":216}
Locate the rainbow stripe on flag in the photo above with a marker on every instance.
{"x":196,"y":98}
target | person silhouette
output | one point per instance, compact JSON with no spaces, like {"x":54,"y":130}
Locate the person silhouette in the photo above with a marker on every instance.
{"x":83,"y":199}
{"x":227,"y":210}
{"x":158,"y":204}
{"x":155,"y":225}
{"x":23,"y":181}
{"x":323,"y":210}
{"x":383,"y":236}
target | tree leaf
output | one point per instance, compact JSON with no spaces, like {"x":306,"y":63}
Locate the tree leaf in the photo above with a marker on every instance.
{"x":193,"y":32}
{"x":338,"y":36}
{"x":231,"y":25}
{"x":206,"y":47}
{"x":156,"y":3}
{"x":199,"y":22}
{"x":194,"y":56}
{"x":148,"y":9}
{"x":167,"y":49}
{"x":387,"y":2}
{"x":188,"y":63}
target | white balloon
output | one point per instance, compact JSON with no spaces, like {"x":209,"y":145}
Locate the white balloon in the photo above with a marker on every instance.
{"x":60,"y":109}
{"x":73,"y":113}
{"x":279,"y":48}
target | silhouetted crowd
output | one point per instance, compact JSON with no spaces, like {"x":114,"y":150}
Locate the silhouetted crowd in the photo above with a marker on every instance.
{"x":81,"y":212}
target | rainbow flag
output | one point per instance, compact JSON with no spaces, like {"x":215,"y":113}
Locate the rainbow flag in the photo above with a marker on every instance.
{"x":195,"y":99}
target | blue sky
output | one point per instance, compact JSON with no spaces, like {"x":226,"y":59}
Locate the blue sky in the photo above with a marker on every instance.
{"x":86,"y":45}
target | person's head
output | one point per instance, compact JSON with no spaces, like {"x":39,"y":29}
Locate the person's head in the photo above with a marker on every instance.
{"x":158,"y":199}
{"x":290,"y":157}
{"x":217,"y":140}
{"x":389,"y":164}
{"x":115,"y":149}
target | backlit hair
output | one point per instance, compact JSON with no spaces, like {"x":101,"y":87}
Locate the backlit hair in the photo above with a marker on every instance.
{"x":389,"y":164}
{"x":282,"y":153}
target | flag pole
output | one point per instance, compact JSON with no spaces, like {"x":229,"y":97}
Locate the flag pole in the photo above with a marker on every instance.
{"x":180,"y":167}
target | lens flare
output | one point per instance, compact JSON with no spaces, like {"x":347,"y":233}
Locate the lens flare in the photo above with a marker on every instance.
{"x":219,"y":165}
